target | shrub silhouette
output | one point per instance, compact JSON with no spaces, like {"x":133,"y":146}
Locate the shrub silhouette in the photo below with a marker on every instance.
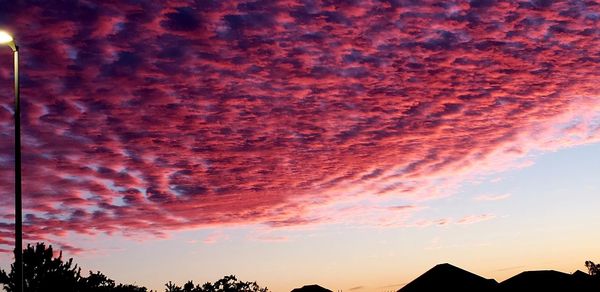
{"x":593,"y":269}
{"x":42,"y":272}
{"x":98,"y":282}
{"x":226,"y":284}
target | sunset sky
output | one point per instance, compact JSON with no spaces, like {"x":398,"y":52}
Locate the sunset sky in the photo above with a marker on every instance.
{"x":352,"y":144}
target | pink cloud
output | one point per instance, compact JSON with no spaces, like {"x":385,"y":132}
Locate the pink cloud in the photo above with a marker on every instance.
{"x":475,"y":219}
{"x":492,"y":197}
{"x":273,"y":238}
{"x":285,"y":114}
{"x":215,"y":237}
{"x":470,"y":219}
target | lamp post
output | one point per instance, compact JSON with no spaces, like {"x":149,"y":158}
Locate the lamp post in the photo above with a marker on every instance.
{"x":7,"y":39}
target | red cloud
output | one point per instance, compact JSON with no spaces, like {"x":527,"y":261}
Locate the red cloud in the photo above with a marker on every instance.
{"x":141,"y":117}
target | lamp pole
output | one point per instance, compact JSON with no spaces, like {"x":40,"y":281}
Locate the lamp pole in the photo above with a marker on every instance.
{"x":7,"y":39}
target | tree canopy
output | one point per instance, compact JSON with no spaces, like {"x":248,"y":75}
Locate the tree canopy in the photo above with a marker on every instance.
{"x":45,"y":272}
{"x":593,"y":269}
{"x":227,"y":284}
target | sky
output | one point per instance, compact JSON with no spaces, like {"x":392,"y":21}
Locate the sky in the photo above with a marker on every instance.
{"x":353,"y":144}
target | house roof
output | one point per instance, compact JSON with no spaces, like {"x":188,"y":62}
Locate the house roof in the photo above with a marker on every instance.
{"x":311,"y":288}
{"x":546,"y":280}
{"x":446,"y":277}
{"x":581,"y":275}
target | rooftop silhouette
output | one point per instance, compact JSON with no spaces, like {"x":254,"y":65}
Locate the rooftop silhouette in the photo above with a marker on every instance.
{"x":446,"y":277}
{"x":311,"y":288}
{"x":547,"y":280}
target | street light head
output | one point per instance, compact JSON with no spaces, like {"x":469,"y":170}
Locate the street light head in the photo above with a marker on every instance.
{"x":5,"y":38}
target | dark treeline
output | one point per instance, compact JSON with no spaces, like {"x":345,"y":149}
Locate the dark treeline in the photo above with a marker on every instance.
{"x":43,"y":272}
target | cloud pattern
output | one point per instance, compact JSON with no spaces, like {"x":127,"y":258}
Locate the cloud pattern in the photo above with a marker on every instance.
{"x":151,"y":116}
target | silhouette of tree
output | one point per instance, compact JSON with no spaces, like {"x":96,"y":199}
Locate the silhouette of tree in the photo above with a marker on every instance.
{"x":188,"y":287}
{"x":227,"y":284}
{"x":129,"y":288}
{"x":231,"y":284}
{"x":42,"y":272}
{"x":172,"y":287}
{"x":593,"y":269}
{"x":97,"y":282}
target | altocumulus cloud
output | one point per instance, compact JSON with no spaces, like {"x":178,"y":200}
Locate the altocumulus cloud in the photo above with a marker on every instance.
{"x":146,"y":116}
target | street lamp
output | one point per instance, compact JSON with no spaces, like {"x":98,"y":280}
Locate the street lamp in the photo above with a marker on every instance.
{"x":7,"y":39}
